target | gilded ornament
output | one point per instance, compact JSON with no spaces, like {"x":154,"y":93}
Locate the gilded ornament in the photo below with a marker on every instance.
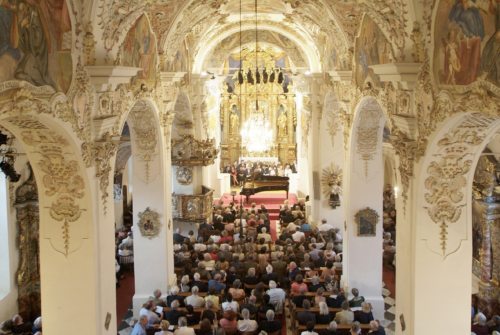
{"x":189,"y":151}
{"x":331,"y":181}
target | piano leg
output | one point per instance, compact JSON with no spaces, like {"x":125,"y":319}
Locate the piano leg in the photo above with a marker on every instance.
{"x":248,"y":198}
{"x":287,"y":194}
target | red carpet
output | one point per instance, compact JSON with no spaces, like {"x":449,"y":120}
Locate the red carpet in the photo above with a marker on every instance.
{"x":124,"y":295}
{"x":272,"y":200}
{"x":389,"y":278}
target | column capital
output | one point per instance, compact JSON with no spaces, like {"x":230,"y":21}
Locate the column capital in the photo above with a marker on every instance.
{"x":402,"y":75}
{"x":341,"y":75}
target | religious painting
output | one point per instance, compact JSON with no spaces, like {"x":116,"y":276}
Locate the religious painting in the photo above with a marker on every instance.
{"x":35,"y":42}
{"x":149,"y":223}
{"x":367,"y":220}
{"x":139,"y":49}
{"x":371,"y":48}
{"x":467,"y":41}
{"x":180,"y":62}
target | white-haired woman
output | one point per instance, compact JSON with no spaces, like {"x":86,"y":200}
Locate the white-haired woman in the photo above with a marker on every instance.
{"x":247,"y":325}
{"x":185,"y":284}
{"x":323,"y":317}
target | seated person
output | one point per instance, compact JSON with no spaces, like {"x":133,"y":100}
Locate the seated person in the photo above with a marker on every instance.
{"x":305,"y":316}
{"x":205,"y":328}
{"x":251,"y":278}
{"x":479,"y":326}
{"x":173,"y":315}
{"x":298,"y":285}
{"x":216,"y":283}
{"x":202,"y":286}
{"x":331,"y":329}
{"x":315,"y":284}
{"x":164,"y":325}
{"x":298,"y":299}
{"x":357,"y":300}
{"x":247,"y":325}
{"x":174,"y":291}
{"x":236,"y":291}
{"x":269,"y":325}
{"x":191,"y":316}
{"x":148,"y":310}
{"x":183,"y":328}
{"x":264,"y":235}
{"x":194,"y":299}
{"x":212,"y":296}
{"x":309,"y":329}
{"x":250,"y":304}
{"x":230,"y":304}
{"x":277,"y":296}
{"x":228,"y":322}
{"x":269,"y":275}
{"x":345,"y":315}
{"x":336,"y":299}
{"x":365,"y":314}
{"x":266,"y":304}
{"x":208,"y":312}
{"x":319,"y":297}
{"x":323,"y":317}
{"x":376,"y":328}
{"x":19,"y":326}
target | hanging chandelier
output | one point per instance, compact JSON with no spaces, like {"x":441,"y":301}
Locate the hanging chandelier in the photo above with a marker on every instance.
{"x":256,"y":132}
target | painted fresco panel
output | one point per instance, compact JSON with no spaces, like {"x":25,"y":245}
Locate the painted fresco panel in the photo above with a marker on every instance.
{"x":35,"y":42}
{"x":467,"y":40}
{"x":371,"y":48}
{"x":139,"y":49}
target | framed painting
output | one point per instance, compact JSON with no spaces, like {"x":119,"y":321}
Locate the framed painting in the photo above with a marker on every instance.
{"x":367,"y":220}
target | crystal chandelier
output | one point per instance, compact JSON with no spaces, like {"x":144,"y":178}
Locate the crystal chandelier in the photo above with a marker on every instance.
{"x":256,"y":133}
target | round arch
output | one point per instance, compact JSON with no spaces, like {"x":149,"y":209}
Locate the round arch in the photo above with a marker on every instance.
{"x":68,"y":236}
{"x":151,"y":181}
{"x":364,"y":180}
{"x":443,"y":238}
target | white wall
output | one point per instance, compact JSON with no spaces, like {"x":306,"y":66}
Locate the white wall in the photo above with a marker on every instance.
{"x":9,"y":255}
{"x":331,"y":151}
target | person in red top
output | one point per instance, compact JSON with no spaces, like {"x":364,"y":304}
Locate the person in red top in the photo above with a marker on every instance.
{"x":298,"y":285}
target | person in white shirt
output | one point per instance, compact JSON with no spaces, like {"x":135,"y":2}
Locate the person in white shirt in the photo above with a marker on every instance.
{"x":247,"y":325}
{"x":309,"y":329}
{"x":194,"y":299}
{"x":277,"y":295}
{"x":298,"y":236}
{"x":265,"y":235}
{"x":183,"y":328}
{"x":229,"y":304}
{"x":325,"y":226}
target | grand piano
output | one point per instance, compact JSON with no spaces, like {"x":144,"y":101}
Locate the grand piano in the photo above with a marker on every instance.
{"x":265,"y":183}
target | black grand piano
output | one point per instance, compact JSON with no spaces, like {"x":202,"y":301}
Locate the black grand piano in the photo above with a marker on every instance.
{"x":265,"y":183}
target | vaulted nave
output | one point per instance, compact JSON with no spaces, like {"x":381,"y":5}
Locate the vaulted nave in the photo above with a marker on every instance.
{"x":159,"y":139}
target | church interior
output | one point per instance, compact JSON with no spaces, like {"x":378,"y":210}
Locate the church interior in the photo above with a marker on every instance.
{"x":257,"y":149}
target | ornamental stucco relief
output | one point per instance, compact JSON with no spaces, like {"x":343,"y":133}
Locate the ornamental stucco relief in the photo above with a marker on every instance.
{"x":447,"y":182}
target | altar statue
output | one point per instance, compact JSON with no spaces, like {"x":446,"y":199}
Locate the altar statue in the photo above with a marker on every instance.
{"x":282,"y":119}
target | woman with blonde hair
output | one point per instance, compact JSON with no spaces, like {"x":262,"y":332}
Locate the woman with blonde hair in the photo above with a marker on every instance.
{"x":164,"y":325}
